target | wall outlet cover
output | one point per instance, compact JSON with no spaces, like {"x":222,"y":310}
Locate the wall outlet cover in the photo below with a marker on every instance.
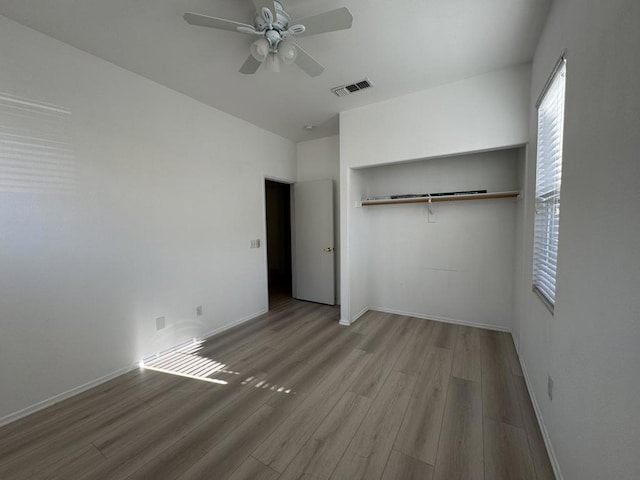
{"x":199,"y":311}
{"x":160,"y":323}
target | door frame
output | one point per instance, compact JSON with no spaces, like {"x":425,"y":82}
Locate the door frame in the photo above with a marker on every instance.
{"x":265,"y":259}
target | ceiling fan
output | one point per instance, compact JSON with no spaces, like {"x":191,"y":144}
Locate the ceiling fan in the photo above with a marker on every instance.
{"x":274,"y":27}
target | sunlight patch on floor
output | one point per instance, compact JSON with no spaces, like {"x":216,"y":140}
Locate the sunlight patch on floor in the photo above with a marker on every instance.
{"x":186,"y":362}
{"x":264,"y":385}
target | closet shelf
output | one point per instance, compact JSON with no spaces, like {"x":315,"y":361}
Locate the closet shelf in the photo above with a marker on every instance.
{"x":443,"y":198}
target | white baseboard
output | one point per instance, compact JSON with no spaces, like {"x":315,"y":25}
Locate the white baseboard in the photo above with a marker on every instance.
{"x":357,"y":316}
{"x":229,"y":326}
{"x":344,"y":323}
{"x":12,"y":417}
{"x":543,"y":429}
{"x":486,"y":326}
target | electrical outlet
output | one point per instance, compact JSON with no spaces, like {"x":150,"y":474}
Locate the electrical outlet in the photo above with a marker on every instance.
{"x":550,"y":387}
{"x":255,"y":243}
{"x":160,"y":323}
{"x":199,"y":311}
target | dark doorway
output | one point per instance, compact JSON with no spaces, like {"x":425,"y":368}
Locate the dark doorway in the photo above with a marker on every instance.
{"x":278,"y":207}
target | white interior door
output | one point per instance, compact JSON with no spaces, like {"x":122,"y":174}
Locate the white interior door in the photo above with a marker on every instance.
{"x":314,"y":250}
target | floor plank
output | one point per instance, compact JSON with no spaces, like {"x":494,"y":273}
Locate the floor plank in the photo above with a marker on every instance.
{"x":42,"y":426}
{"x":467,"y":359}
{"x":371,"y":446}
{"x":221,"y":461}
{"x":414,"y":355}
{"x":386,"y":346}
{"x":461,"y":443}
{"x":252,"y":469}
{"x":45,"y":452}
{"x":303,"y":380}
{"x":402,"y":467}
{"x":323,"y":450}
{"x":443,"y":335}
{"x":506,"y":453}
{"x":370,"y":322}
{"x":176,"y":417}
{"x":283,"y":445}
{"x":162,"y":439}
{"x":514,"y":361}
{"x":499,"y":396}
{"x":78,"y":462}
{"x":37,"y":423}
{"x":418,"y":437}
{"x":204,"y":437}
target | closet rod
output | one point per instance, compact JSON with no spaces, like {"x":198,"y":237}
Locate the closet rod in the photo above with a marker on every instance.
{"x":446,"y":198}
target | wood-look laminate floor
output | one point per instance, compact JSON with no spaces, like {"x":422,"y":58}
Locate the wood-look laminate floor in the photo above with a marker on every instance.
{"x":391,"y":397}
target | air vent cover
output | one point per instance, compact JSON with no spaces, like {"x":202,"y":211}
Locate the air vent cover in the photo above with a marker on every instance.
{"x":352,"y":88}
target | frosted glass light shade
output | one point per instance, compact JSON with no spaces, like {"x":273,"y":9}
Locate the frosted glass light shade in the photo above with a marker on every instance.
{"x":260,"y":49}
{"x":287,"y":53}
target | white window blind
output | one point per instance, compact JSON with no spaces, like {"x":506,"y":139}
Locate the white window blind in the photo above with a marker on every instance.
{"x":548,"y":179}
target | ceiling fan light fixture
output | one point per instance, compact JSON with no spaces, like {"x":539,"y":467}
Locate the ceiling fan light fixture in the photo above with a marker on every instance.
{"x":272,"y":63}
{"x":287,"y":53}
{"x":260,"y":49}
{"x":273,"y":24}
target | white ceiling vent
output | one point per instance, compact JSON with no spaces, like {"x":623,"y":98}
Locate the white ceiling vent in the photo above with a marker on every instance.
{"x":352,"y":88}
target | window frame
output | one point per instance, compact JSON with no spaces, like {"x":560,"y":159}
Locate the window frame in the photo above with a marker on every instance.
{"x":548,"y":182}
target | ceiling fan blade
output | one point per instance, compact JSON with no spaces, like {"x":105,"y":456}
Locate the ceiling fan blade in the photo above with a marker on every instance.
{"x":307,"y":63}
{"x":250,"y":66}
{"x":269,"y":5}
{"x":338,"y":19}
{"x":213,"y":22}
{"x":250,"y":31}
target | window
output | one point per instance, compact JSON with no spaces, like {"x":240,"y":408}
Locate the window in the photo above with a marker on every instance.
{"x":548,"y":179}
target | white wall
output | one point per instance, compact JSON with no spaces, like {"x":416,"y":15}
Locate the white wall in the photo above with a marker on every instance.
{"x":168,"y":194}
{"x":356,"y":258}
{"x":320,"y":160}
{"x":590,"y":345}
{"x":478,"y":114}
{"x":458,"y":266}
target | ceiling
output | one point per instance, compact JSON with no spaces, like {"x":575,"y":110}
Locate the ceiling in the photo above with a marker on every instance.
{"x":402,"y":46}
